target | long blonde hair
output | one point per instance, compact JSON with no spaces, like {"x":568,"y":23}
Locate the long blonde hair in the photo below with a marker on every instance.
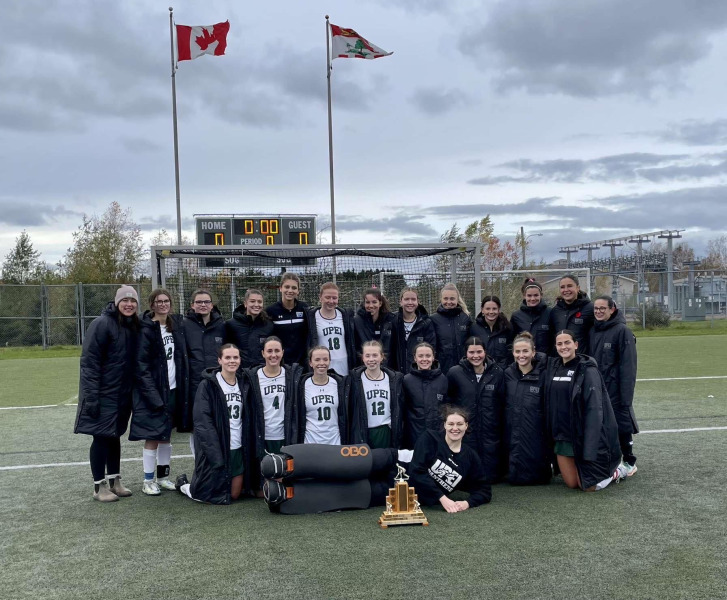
{"x":460,"y":301}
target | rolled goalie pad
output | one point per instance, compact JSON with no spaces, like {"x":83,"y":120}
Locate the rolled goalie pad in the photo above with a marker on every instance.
{"x":321,"y":461}
{"x":323,"y":496}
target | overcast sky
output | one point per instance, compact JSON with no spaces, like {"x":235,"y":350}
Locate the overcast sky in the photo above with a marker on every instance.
{"x":579,"y":120}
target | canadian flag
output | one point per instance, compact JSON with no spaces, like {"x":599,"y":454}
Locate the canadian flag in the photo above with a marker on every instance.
{"x":346,"y":43}
{"x":193,"y":42}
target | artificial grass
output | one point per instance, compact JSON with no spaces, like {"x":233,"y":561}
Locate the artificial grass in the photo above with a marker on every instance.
{"x":679,"y":328}
{"x":39,"y":352}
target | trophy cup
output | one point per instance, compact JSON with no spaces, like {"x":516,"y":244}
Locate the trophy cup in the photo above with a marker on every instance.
{"x":402,"y":506}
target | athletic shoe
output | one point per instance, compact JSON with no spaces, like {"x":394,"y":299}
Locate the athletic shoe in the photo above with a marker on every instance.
{"x":276,"y":492}
{"x":104,"y":494}
{"x":166,"y":484}
{"x":181,"y":480}
{"x":630,"y":469}
{"x":150,"y":488}
{"x":119,"y":489}
{"x":620,"y":473}
{"x":276,"y":466}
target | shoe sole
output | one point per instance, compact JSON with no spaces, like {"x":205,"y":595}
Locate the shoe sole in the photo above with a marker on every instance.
{"x":632,"y":472}
{"x":114,"y":499}
{"x":151,"y":493}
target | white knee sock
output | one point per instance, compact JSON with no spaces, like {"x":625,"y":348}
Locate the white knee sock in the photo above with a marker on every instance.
{"x":191,"y":443}
{"x":164,"y":453}
{"x":149,"y":460}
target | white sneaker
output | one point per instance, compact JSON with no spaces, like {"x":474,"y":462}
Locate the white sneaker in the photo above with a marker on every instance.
{"x":150,"y":488}
{"x":166,"y":484}
{"x":620,"y":473}
{"x":630,"y":469}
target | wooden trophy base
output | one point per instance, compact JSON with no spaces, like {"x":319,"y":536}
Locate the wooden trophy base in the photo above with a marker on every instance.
{"x":412,"y":518}
{"x":402,"y":507}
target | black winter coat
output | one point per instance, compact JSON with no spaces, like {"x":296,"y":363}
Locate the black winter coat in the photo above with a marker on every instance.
{"x":348,"y":332}
{"x":248,"y":335}
{"x":593,"y":429}
{"x":576,"y":317}
{"x":291,"y":326}
{"x":344,"y":386}
{"x":526,"y":443}
{"x":203,"y":341}
{"x":452,"y":328}
{"x":293,"y":373}
{"x":212,"y":479}
{"x":382,"y":330}
{"x":498,"y":341}
{"x":536,"y":321}
{"x":402,"y":348}
{"x":151,"y":419}
{"x":613,"y":346}
{"x":485,"y":400}
{"x":360,"y":406}
{"x":424,"y":394}
{"x":108,"y":363}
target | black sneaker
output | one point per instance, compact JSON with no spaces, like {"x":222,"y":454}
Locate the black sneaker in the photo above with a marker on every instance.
{"x":276,"y":466}
{"x":181,"y":480}
{"x":275,"y":492}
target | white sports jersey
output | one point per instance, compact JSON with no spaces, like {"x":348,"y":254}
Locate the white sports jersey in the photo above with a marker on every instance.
{"x":168,"y":340}
{"x":234,"y":410}
{"x":331,"y":335}
{"x":378,"y":402}
{"x":408,"y":327}
{"x":273,"y":393}
{"x":321,"y":413}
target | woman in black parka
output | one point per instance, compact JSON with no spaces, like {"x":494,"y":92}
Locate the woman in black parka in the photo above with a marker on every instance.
{"x":452,"y":327}
{"x":533,"y":316}
{"x":573,"y":311}
{"x":412,"y":326}
{"x":580,"y":421}
{"x":478,"y":385}
{"x":613,"y":346}
{"x":529,"y":458}
{"x":374,"y":321}
{"x":493,"y":328}
{"x":248,"y":329}
{"x":221,"y":433}
{"x":108,"y":364}
{"x":161,"y":389}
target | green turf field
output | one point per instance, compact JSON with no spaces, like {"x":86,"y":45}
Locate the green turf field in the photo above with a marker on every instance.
{"x":660,"y":534}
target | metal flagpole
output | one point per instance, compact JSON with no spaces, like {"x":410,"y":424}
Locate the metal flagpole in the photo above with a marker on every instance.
{"x":330,"y":146}
{"x":174,"y":121}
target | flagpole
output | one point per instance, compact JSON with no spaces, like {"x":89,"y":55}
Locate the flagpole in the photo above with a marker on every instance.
{"x":174,"y":121}
{"x":330,"y":147}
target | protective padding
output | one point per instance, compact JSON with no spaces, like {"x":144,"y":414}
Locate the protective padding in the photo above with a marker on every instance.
{"x":321,"y":461}
{"x":322,"y":496}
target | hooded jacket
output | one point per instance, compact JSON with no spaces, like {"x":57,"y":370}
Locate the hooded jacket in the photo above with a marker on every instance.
{"x":348,"y":332}
{"x":424,"y":394}
{"x":403,"y":348}
{"x":526,"y":444}
{"x":249,"y":335}
{"x":576,"y":317}
{"x":344,"y":387}
{"x":498,"y":341}
{"x":613,"y":347}
{"x":108,"y":364}
{"x":382,"y":330}
{"x":203,"y":341}
{"x":212,"y":479}
{"x":452,"y":328}
{"x":151,"y":419}
{"x":593,"y":429}
{"x":485,"y":401}
{"x":360,"y":407}
{"x":291,"y":326}
{"x":536,"y":321}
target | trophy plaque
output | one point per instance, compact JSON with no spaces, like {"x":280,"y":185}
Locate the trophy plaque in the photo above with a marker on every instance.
{"x":402,"y":506}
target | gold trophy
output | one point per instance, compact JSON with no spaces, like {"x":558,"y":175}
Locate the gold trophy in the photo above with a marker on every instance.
{"x":402,"y":506}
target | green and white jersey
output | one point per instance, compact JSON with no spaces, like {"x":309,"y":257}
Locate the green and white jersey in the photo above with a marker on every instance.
{"x":273,"y":395}
{"x":378,"y":402}
{"x":234,"y":410}
{"x":331,"y":335}
{"x":321,"y":413}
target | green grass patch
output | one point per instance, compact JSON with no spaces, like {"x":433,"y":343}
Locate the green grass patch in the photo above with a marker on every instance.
{"x":689,"y":356}
{"x":679,"y":328}
{"x":46,"y":381}
{"x":38,"y":352}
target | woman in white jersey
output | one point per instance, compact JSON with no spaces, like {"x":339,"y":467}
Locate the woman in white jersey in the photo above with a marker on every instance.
{"x":376,"y":400}
{"x":322,"y":415}
{"x":333,"y":328}
{"x":161,"y":380}
{"x":221,"y":422}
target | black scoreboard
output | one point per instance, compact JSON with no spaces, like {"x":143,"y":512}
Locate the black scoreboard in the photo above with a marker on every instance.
{"x":255,"y":231}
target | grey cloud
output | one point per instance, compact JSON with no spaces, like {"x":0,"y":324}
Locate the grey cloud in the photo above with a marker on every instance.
{"x":437,"y":101}
{"x":139,"y":145}
{"x":593,"y":48}
{"x":695,"y":132}
{"x":165,"y":222}
{"x":401,"y":224}
{"x":471,"y":162}
{"x":23,"y":214}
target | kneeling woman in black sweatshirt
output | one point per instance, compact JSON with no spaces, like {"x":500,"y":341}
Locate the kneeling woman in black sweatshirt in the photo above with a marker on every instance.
{"x":442,"y":465}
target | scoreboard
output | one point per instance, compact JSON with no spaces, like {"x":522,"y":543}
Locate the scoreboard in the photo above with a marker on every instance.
{"x":255,"y":231}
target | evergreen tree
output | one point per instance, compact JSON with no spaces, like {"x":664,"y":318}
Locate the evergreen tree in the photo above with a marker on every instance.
{"x":22,"y":264}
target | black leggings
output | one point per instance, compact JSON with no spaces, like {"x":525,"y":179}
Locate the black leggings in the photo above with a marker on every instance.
{"x":105,"y":456}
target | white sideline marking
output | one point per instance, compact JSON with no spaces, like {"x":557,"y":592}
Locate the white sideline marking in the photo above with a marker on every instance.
{"x":74,"y":464}
{"x":684,"y":378}
{"x":23,"y":407}
{"x":683,"y":430}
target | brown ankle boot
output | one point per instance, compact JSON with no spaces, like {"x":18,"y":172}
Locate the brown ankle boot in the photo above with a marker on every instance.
{"x":118,"y":488}
{"x":104,"y":494}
